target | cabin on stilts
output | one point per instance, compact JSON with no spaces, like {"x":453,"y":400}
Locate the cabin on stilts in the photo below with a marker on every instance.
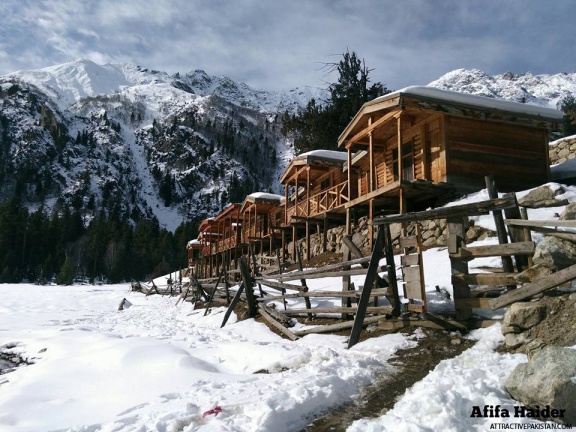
{"x":221,"y":240}
{"x":193,"y":249}
{"x":409,"y":148}
{"x":262,"y":218}
{"x":208,"y":237}
{"x":316,"y":189}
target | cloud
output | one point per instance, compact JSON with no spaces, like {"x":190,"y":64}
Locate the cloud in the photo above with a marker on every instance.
{"x":283,"y":44}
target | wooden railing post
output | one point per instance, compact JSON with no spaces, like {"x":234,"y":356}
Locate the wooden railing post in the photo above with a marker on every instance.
{"x":459,"y":267}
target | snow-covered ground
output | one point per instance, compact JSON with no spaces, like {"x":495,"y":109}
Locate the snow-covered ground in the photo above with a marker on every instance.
{"x":156,"y":366}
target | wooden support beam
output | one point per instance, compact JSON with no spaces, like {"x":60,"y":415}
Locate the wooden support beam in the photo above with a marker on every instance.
{"x":366,"y":291}
{"x":339,"y":326}
{"x":338,"y":294}
{"x":323,"y":269}
{"x":303,"y":282}
{"x":207,"y":308}
{"x":459,"y":267}
{"x":541,"y":223}
{"x":247,"y":281}
{"x":392,"y":279}
{"x":473,"y":209}
{"x":340,"y":310}
{"x":233,"y":304}
{"x":284,"y":330}
{"x":531,"y":289}
{"x":503,"y":250}
{"x":323,"y":274}
{"x":282,"y":286}
{"x":507,"y":264}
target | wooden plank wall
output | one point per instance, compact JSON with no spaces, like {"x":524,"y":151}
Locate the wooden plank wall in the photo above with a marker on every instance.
{"x":515,"y":155}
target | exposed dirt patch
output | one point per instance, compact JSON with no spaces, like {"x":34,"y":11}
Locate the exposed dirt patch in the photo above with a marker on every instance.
{"x":412,"y":365}
{"x":559,"y":327}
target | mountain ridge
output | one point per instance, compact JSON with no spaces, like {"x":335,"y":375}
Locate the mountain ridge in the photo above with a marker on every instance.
{"x":142,"y":143}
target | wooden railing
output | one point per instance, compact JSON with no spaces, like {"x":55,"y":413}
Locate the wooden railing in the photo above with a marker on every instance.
{"x":322,"y":202}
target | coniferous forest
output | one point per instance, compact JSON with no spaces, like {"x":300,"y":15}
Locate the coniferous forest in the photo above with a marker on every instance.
{"x":40,"y":247}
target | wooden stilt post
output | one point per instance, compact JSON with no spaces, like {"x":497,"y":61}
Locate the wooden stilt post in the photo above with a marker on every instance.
{"x":307,"y":240}
{"x":346,"y":257}
{"x":507,"y":264}
{"x":324,"y":234}
{"x":392,"y":279}
{"x":367,"y":290}
{"x":303,"y":283}
{"x":247,"y":282}
{"x":460,"y":288}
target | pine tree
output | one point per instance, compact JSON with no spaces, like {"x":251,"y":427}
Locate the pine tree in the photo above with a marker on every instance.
{"x":568,"y":106}
{"x":66,"y":274}
{"x":319,"y":126}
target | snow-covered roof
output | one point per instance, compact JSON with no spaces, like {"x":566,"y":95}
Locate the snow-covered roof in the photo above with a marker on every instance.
{"x":265,"y":196}
{"x":325,"y":154}
{"x":193,"y":243}
{"x":472,"y":100}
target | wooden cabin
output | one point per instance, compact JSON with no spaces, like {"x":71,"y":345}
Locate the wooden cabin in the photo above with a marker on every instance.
{"x":208,"y":237}
{"x":220,"y":239}
{"x":193,"y":249}
{"x":228,"y":224}
{"x":408,"y":147}
{"x":315,"y":184}
{"x":262,"y":216}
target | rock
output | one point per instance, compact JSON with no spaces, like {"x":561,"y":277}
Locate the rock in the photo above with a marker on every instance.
{"x":569,"y":212}
{"x":514,"y":340}
{"x":395,"y":230}
{"x":542,"y":196}
{"x":533,"y":347}
{"x":547,"y":380}
{"x":429,"y":242}
{"x":506,"y":329}
{"x":533,"y":273}
{"x":442,"y":240}
{"x":473,"y":233}
{"x":456,"y":341}
{"x":524,"y":315}
{"x":555,"y":253}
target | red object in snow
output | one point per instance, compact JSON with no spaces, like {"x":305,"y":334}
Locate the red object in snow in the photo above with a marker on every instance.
{"x":216,"y":410}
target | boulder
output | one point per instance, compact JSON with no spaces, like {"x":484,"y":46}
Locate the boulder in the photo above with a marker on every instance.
{"x":533,"y":274}
{"x":542,"y":196}
{"x":555,"y":253}
{"x":547,"y":380}
{"x":524,"y":315}
{"x":569,"y":212}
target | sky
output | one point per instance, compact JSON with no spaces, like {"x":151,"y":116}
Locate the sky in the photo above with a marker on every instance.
{"x":283,"y":44}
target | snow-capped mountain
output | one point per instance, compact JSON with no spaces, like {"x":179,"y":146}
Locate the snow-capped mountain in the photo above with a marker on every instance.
{"x":139,"y":143}
{"x":543,"y":90}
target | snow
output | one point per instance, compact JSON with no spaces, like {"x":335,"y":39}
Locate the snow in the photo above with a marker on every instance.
{"x":326,"y":154}
{"x":155,"y":366}
{"x":265,"y":196}
{"x":474,"y":100}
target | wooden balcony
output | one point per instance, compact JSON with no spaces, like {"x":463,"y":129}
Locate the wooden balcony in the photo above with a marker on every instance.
{"x":320,"y":203}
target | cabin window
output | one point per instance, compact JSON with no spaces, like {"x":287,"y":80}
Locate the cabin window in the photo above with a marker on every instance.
{"x":395,"y":163}
{"x":325,"y":184}
{"x":408,"y":161}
